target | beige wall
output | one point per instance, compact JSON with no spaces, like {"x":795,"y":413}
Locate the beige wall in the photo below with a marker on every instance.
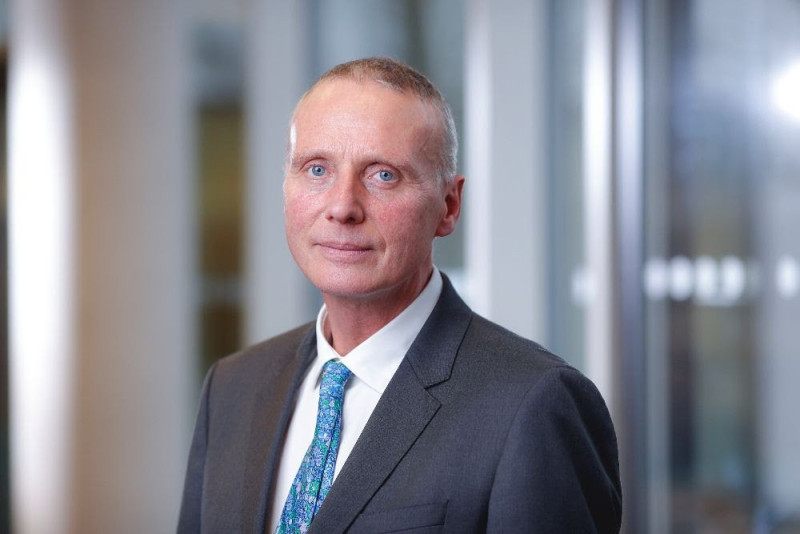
{"x":102,"y":366}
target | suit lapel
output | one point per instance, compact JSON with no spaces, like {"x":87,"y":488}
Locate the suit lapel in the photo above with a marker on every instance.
{"x":403,"y":412}
{"x":400,"y":416}
{"x":271,"y":413}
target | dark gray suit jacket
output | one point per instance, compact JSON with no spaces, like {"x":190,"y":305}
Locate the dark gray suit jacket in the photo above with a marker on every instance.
{"x":479,"y":430}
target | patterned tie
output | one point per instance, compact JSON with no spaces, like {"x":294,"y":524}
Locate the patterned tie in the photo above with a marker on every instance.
{"x":315,"y":476}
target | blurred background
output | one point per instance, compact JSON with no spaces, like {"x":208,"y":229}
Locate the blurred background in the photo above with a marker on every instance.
{"x":632,"y":202}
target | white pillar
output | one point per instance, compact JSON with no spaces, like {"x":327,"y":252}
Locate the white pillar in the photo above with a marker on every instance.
{"x":41,"y":221}
{"x":598,"y":194}
{"x":277,"y":295}
{"x":101,"y":264}
{"x":505,"y":143}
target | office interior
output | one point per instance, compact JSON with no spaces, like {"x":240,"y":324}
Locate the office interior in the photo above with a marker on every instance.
{"x":632,"y":202}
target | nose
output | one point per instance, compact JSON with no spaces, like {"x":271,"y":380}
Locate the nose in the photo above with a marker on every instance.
{"x":345,"y":199}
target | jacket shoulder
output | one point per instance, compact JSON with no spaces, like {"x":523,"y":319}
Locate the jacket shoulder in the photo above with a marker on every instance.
{"x":487,"y":340}
{"x":505,"y":365}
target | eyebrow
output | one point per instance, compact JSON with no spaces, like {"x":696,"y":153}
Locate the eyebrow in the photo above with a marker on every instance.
{"x":298,"y":159}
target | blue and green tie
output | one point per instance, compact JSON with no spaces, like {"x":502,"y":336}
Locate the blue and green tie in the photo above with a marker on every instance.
{"x":315,"y":476}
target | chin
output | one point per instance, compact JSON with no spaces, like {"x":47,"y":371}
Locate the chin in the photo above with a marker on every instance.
{"x":349,"y":291}
{"x":350,"y":285}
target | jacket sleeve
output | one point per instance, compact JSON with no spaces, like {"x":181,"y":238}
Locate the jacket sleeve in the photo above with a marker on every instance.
{"x":559,"y":470}
{"x":190,"y":519}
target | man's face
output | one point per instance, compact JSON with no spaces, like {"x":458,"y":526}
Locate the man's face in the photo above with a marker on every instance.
{"x":362,"y":201}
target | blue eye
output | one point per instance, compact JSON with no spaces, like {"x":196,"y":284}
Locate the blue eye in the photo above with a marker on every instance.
{"x":317,"y":170}
{"x":385,"y":176}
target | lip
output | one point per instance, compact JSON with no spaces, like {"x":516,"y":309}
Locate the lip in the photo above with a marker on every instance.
{"x":344,"y":246}
{"x":343,"y":251}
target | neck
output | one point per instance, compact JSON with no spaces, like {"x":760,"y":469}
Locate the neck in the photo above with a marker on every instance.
{"x":350,"y":321}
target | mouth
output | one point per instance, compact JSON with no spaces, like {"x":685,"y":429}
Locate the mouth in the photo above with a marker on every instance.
{"x":344,"y":246}
{"x":343,"y":251}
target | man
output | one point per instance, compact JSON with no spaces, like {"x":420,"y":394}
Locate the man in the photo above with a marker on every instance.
{"x":430,"y":418}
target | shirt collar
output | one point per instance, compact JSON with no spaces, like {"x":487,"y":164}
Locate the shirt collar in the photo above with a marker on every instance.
{"x":377,"y":358}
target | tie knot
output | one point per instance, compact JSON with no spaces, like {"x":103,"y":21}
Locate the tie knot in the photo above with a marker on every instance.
{"x":334,"y":376}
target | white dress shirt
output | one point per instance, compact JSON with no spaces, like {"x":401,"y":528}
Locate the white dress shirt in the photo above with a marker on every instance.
{"x":372,"y":365}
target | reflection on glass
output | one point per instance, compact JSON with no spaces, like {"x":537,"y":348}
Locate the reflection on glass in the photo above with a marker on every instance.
{"x":785,"y":89}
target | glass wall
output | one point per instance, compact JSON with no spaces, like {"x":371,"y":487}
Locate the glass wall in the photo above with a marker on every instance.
{"x":721,"y":279}
{"x":707,"y":363}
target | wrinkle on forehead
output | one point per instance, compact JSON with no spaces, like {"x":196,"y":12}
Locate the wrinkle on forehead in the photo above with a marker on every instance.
{"x":335,"y":127}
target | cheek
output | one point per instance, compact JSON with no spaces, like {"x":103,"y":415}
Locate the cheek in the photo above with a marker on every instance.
{"x":295,"y":227}
{"x":297,"y":224}
{"x":297,"y":211}
{"x":410,"y":227}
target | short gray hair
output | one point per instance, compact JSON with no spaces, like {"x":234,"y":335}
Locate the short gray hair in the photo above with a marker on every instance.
{"x":400,"y":77}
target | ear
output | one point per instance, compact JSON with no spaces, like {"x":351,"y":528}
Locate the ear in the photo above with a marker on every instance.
{"x":452,"y":201}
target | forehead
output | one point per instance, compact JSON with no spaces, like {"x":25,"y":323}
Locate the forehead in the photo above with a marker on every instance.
{"x":349,"y":112}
